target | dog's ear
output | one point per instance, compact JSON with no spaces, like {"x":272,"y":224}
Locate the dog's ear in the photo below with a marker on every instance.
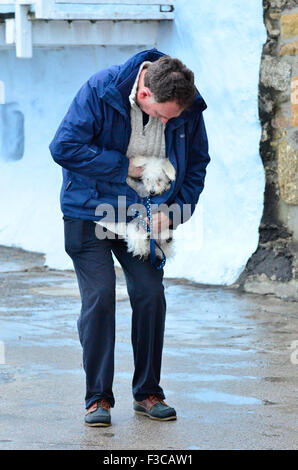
{"x":139,"y":160}
{"x":169,"y":170}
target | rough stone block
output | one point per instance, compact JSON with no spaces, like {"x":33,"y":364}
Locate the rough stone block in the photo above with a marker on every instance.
{"x":280,"y":121}
{"x":288,"y":172}
{"x":289,"y":25}
{"x":294,"y":102}
{"x":275,"y":73}
{"x":289,"y":49}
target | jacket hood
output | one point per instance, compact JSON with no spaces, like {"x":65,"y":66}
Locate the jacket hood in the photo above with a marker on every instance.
{"x":133,"y":63}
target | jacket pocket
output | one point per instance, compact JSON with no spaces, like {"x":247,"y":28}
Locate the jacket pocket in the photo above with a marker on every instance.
{"x":78,"y":193}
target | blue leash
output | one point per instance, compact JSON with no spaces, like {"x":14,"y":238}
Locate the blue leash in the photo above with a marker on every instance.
{"x":153,"y":242}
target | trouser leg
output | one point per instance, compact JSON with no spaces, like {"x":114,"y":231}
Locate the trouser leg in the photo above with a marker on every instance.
{"x":94,"y":267}
{"x":146,"y":293}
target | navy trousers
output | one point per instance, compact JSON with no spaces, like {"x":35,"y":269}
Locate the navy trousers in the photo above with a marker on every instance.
{"x":94,"y":267}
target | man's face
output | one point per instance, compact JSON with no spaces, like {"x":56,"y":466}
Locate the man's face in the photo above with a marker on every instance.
{"x":163,"y":111}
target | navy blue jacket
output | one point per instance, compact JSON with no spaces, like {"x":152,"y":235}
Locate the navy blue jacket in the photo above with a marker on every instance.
{"x":92,"y":139}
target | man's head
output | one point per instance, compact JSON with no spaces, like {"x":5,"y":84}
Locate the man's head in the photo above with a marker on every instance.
{"x":166,"y":88}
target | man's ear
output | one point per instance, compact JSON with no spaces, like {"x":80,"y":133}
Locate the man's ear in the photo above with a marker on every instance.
{"x":169,"y":170}
{"x":144,"y":92}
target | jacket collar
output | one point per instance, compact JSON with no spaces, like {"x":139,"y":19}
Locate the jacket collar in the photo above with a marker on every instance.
{"x":117,"y":93}
{"x":197,"y":107}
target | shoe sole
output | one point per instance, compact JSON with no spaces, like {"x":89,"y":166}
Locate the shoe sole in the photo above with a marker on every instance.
{"x":97,"y":425}
{"x":143,"y":413}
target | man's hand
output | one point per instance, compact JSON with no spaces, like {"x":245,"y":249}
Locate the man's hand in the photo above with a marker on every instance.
{"x":160,"y":222}
{"x":134,"y":171}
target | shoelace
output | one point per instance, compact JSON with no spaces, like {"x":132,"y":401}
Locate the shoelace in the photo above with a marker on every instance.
{"x":155,"y":399}
{"x":105,"y":405}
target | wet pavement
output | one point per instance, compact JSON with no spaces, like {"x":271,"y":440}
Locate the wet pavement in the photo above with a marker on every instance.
{"x":229,"y":367}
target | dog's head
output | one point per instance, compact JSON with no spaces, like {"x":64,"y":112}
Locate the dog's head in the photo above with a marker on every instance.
{"x":158,"y":176}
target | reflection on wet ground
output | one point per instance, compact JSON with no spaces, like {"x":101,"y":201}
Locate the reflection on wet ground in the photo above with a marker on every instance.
{"x":227,"y":356}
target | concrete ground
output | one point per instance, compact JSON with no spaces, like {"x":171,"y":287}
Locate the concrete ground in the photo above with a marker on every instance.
{"x":229,"y":367}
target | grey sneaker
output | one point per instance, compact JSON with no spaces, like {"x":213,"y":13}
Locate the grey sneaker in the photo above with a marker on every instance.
{"x":98,"y":414}
{"x":155,"y":408}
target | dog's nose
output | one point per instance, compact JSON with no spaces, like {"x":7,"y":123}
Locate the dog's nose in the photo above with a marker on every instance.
{"x":152,"y":192}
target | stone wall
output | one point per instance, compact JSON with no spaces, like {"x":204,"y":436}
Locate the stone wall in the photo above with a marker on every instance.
{"x":273,"y":268}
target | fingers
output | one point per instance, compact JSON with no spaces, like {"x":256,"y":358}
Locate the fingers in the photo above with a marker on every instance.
{"x":160,"y":222}
{"x":135,"y":172}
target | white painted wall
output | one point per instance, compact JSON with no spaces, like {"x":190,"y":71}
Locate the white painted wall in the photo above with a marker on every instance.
{"x":221,"y":41}
{"x":43,"y":87}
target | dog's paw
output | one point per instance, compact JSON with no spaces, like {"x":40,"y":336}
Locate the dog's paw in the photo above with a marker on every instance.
{"x":168,"y":169}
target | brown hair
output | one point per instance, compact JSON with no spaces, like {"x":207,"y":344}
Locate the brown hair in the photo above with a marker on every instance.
{"x":170,"y":80}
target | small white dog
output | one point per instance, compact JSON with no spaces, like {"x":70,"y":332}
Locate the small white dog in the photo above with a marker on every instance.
{"x":157,"y":177}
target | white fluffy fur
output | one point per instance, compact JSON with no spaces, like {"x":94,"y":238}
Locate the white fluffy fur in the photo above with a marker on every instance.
{"x":157,"y":177}
{"x":138,"y":241}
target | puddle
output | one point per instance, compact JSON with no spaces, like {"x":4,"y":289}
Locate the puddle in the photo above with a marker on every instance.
{"x":15,"y":330}
{"x":58,"y":342}
{"x":185,"y":350}
{"x":46,"y":280}
{"x":31,"y":404}
{"x":191,"y":377}
{"x":56,"y":291}
{"x":20,"y":311}
{"x":6,"y":377}
{"x":72,"y":290}
{"x":36,"y":369}
{"x":214,"y":396}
